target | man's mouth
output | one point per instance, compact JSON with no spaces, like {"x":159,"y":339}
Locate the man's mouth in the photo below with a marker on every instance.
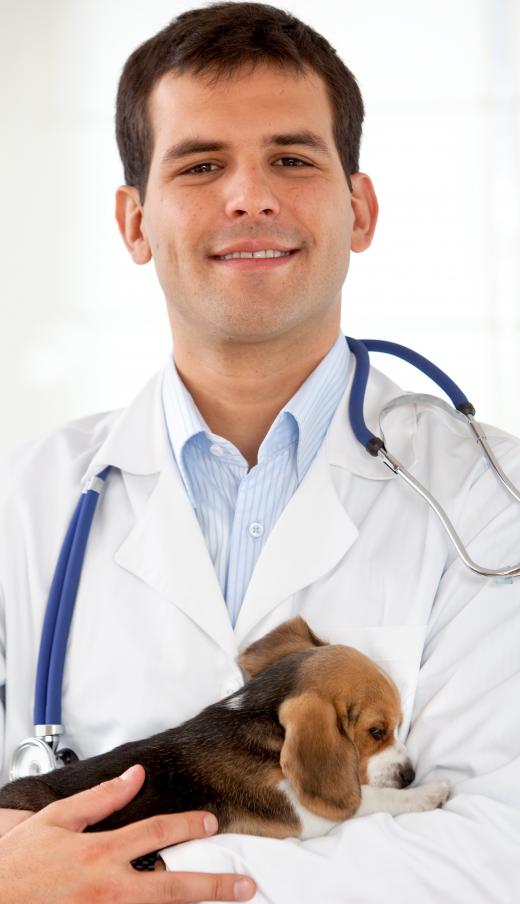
{"x":265,"y":253}
{"x":265,"y":258}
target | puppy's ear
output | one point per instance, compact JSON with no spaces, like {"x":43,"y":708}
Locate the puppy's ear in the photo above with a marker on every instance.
{"x":319,"y":760}
{"x":290,"y":637}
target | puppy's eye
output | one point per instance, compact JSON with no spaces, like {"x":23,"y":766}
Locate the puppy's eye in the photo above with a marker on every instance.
{"x":377,"y":733}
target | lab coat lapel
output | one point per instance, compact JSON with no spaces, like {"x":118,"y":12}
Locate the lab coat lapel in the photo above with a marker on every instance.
{"x":315,"y":530}
{"x":167,"y":550}
{"x":165,"y":546}
{"x":312,"y":534}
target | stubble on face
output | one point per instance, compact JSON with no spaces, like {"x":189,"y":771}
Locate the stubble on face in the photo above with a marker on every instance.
{"x":248,"y":196}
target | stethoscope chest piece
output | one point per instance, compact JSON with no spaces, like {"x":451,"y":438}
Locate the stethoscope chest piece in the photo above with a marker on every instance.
{"x":38,"y":755}
{"x":32,"y":757}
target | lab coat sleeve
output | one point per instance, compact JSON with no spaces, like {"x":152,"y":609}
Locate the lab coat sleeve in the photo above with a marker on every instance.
{"x":465,"y":728}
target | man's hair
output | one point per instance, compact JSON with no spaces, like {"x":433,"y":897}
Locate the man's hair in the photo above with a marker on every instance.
{"x":218,"y":40}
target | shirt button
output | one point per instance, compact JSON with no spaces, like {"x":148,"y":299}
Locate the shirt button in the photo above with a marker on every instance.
{"x":216,"y":450}
{"x":256,"y":529}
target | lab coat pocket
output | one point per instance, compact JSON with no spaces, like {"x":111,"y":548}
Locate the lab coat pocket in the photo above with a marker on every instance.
{"x":397,"y":649}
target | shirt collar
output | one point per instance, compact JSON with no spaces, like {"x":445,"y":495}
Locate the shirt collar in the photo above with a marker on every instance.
{"x":314,"y":403}
{"x":182,"y":418}
{"x":135,"y":439}
{"x":304,"y":419}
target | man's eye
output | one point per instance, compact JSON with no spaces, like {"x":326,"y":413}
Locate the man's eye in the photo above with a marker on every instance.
{"x":201,"y":169}
{"x":197,"y":169}
{"x":294,"y":161}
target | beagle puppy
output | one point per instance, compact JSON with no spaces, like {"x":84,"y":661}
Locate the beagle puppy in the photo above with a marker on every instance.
{"x":309,"y":741}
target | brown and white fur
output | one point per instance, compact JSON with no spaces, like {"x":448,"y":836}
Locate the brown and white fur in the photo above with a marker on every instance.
{"x":308,"y":742}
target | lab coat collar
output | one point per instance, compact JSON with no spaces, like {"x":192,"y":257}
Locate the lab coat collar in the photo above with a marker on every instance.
{"x":137,"y":442}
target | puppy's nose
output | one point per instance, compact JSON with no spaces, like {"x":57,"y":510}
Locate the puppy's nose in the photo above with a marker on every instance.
{"x":406,"y":775}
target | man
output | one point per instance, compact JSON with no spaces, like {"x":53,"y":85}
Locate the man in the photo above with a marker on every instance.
{"x":237,"y":497}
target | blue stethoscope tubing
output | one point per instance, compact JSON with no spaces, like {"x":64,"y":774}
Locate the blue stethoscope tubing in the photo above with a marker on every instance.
{"x":360,"y":349}
{"x":62,"y":596}
{"x":60,"y":606}
{"x":376,"y":446}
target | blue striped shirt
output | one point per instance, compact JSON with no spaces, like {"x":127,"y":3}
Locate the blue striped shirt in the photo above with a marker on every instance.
{"x":237,"y":509}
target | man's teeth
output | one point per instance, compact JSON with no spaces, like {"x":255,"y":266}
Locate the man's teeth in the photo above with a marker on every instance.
{"x":268,"y":252}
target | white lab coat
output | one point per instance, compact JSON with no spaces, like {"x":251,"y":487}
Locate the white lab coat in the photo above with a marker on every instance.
{"x":359,"y":556}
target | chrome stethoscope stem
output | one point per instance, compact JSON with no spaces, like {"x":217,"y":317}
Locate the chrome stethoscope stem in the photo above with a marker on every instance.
{"x":512,"y":571}
{"x":49,"y":733}
{"x":486,"y":451}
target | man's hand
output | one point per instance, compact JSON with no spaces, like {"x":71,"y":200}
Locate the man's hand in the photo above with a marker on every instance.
{"x":47,"y":860}
{"x":10,"y":818}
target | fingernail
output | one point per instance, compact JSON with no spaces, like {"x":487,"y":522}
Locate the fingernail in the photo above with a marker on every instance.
{"x":243,"y":889}
{"x":210,"y":823}
{"x":128,"y":774}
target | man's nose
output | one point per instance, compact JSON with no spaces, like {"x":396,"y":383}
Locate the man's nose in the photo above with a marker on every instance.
{"x":250,"y":192}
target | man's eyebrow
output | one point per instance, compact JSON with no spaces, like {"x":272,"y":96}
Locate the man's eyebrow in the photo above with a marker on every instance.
{"x":305,"y":138}
{"x":203,"y":146}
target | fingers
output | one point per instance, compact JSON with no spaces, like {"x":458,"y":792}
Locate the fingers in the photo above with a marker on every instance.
{"x":158,"y":832}
{"x":182,"y":888}
{"x":88,"y":807}
{"x":188,"y":888}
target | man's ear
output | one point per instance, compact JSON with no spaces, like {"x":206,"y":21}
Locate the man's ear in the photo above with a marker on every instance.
{"x":365,"y":209}
{"x":129,"y":216}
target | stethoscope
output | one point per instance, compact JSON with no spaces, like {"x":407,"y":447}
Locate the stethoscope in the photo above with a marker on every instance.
{"x":41,"y":753}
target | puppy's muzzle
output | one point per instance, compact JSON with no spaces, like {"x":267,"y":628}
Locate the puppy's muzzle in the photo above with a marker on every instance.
{"x":392,"y":768}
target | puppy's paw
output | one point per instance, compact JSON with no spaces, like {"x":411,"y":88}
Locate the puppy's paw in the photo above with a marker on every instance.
{"x":430,"y":795}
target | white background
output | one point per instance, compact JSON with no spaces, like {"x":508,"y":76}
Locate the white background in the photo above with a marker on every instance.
{"x":82,"y":327}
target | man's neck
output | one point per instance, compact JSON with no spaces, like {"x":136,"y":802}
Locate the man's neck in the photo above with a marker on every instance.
{"x":239,"y":391}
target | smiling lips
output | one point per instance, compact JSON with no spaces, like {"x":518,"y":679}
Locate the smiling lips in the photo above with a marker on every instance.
{"x":253,"y":256}
{"x":266,"y":253}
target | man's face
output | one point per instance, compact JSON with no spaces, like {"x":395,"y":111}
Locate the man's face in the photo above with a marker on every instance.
{"x":264,"y":187}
